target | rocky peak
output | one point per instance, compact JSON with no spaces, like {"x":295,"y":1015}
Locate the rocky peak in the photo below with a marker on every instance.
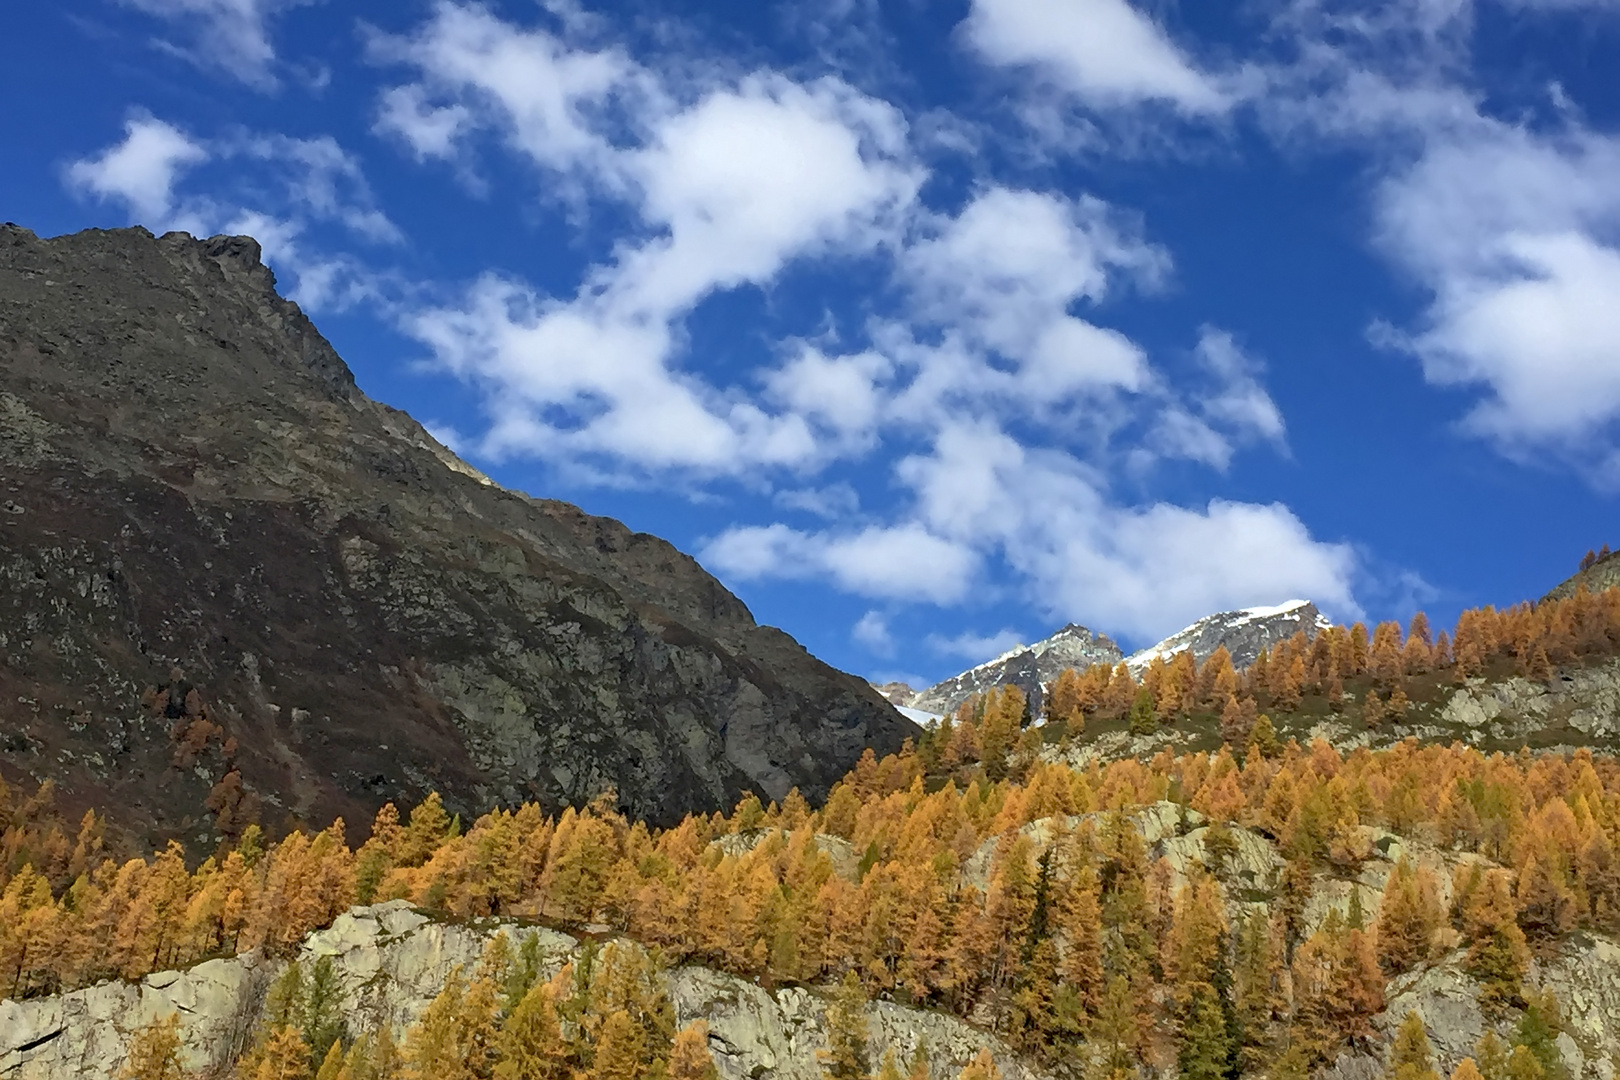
{"x":1029,"y":667}
{"x":1245,"y":633}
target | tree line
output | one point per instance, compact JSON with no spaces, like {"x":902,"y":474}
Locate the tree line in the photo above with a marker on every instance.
{"x":1070,"y":936}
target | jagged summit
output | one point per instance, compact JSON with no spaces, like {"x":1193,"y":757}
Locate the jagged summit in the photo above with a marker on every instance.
{"x":1028,"y":667}
{"x":1245,"y":633}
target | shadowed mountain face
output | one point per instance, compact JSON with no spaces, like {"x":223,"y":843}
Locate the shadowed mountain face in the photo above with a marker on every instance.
{"x":193,"y":493}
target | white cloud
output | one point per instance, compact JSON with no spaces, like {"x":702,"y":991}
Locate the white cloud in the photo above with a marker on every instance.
{"x":830,"y":501}
{"x":141,"y":171}
{"x":1510,"y":227}
{"x":1105,"y":52}
{"x":1231,"y":408}
{"x":549,"y":99}
{"x":872,"y":632}
{"x":322,"y":181}
{"x":752,"y":176}
{"x":1237,"y":399}
{"x":232,"y":36}
{"x":1142,"y":571}
{"x":429,"y":130}
{"x":1006,"y":270}
{"x":900,"y":562}
{"x":1544,"y":335}
{"x":975,"y":648}
{"x":729,"y":189}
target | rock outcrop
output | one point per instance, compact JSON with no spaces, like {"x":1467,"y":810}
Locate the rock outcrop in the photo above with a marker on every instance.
{"x":1583,"y":703}
{"x":190,"y":479}
{"x":390,"y":962}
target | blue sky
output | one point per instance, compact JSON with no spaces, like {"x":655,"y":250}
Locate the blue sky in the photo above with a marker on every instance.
{"x":926,"y":326}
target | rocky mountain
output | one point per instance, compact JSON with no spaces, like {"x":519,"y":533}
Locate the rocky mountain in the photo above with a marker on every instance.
{"x":1029,"y":667}
{"x":227,"y":573}
{"x":1245,"y":633}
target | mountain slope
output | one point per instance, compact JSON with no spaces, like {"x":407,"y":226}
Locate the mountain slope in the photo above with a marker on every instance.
{"x":1604,"y":573}
{"x":195,"y":494}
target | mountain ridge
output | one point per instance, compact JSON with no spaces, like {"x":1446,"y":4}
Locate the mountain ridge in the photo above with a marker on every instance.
{"x":1244,"y":633}
{"x":199,"y":498}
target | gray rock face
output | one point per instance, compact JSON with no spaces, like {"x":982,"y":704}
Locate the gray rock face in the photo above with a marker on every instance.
{"x":1245,"y":634}
{"x":1028,"y":667}
{"x":391,"y":961}
{"x":190,"y":477}
{"x":1586,"y":701}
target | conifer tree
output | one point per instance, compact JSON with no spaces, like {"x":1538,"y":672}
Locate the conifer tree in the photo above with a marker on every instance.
{"x":845,"y":1056}
{"x":982,"y":1067}
{"x":1524,"y":1065}
{"x":531,"y":1041}
{"x":285,"y":1057}
{"x":689,"y":1056}
{"x":1491,"y":1055}
{"x":1263,"y":738}
{"x":1144,"y":718}
{"x":621,"y":1049}
{"x":1408,"y":916}
{"x":154,"y":1052}
{"x":436,"y":1046}
{"x":1538,"y":1031}
{"x":331,"y":1063}
{"x":1237,"y":721}
{"x":1411,"y":1057}
{"x":321,"y":1017}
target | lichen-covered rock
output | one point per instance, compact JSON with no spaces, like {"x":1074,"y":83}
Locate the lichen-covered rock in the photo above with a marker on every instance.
{"x":390,"y":961}
{"x":758,"y":1035}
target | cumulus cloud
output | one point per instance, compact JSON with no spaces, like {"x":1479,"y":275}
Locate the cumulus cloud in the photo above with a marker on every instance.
{"x":1228,"y":409}
{"x":1511,"y":228}
{"x":728,"y":188}
{"x":547,"y":98}
{"x":1142,"y":571}
{"x":871,"y":631}
{"x":1007,"y":269}
{"x":141,"y":171}
{"x":974,"y":648}
{"x":901,"y":562}
{"x":992,"y":390}
{"x":1105,"y":52}
{"x":232,"y":36}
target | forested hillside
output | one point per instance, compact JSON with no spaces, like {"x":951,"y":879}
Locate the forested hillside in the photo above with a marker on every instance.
{"x":1244,"y":910}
